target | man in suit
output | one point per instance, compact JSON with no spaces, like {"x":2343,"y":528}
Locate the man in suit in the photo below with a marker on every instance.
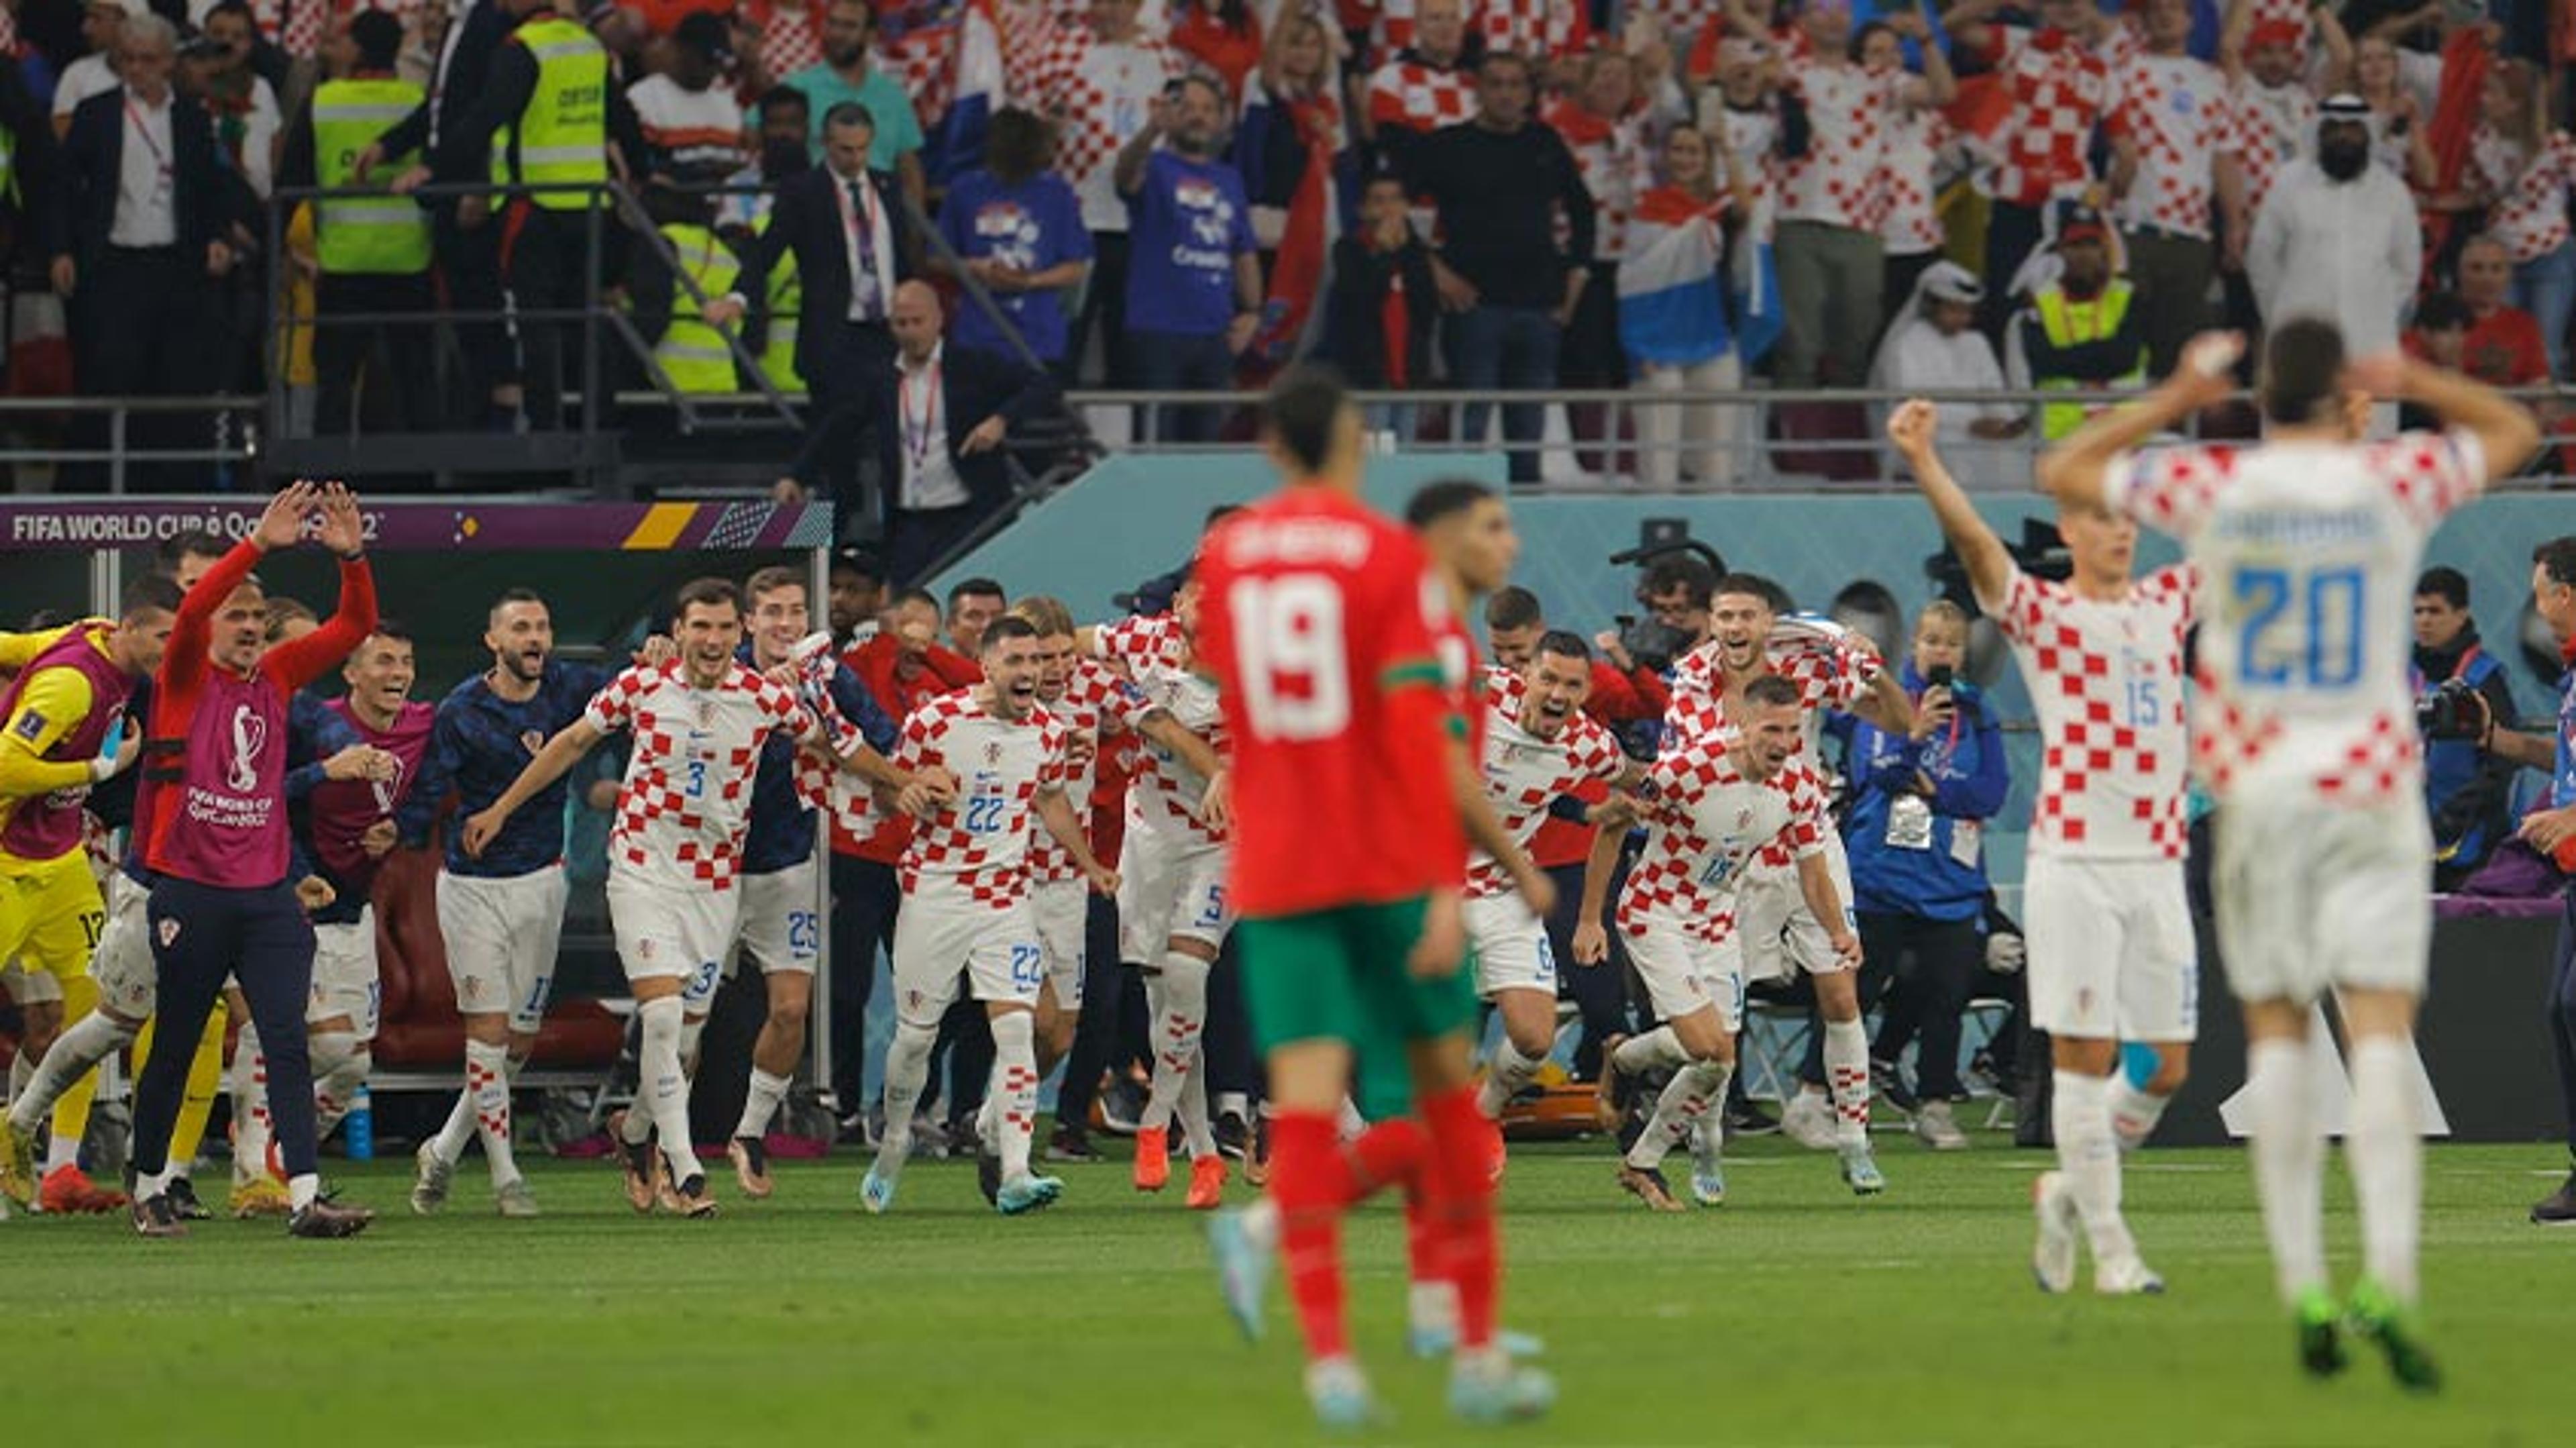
{"x":854,"y":243}
{"x":138,"y":229}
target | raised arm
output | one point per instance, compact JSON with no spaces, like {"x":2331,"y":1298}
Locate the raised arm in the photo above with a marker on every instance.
{"x":1915,"y":429}
{"x":2506,"y":431}
{"x":298,"y":662}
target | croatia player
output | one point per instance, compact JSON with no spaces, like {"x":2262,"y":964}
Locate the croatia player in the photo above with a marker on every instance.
{"x":1715,"y":801}
{"x":2303,"y":726}
{"x":2112,"y":956}
{"x":63,"y":730}
{"x":1320,"y":621}
{"x":1831,"y":669}
{"x":966,"y":906}
{"x":698,"y":723}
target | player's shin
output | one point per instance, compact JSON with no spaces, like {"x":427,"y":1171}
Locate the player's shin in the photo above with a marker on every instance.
{"x":907,"y":1070}
{"x":2134,"y":1112}
{"x":75,"y":1053}
{"x":1179,"y":1017}
{"x":1847,"y":1077}
{"x":1014,"y":1089}
{"x":1310,"y":1180}
{"x":340,"y":1062}
{"x":2385,"y":1149}
{"x":1505,"y":1076}
{"x":760,"y":1103}
{"x":2289,"y":1163}
{"x":2089,"y":1155}
{"x":1693,"y":1092}
{"x":666,"y":1084}
{"x":1460,"y":1187}
{"x":253,"y":1130}
{"x":205,"y":1083}
{"x":487,"y":1095}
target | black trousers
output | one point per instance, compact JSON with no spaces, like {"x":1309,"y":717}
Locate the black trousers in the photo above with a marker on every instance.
{"x":849,"y":372}
{"x":2562,"y":1014}
{"x":542,"y":264}
{"x":865,"y":896}
{"x":1932,"y":970}
{"x":1104,"y":306}
{"x":2012,"y":234}
{"x":1600,"y":992}
{"x":1103,"y":987}
{"x":1230,"y":1061}
{"x":202,"y":934}
{"x":146,"y":321}
{"x":406,"y":394}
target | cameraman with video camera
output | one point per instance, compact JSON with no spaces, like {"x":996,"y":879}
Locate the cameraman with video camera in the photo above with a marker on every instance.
{"x":1677,"y":590}
{"x":2459,"y":686}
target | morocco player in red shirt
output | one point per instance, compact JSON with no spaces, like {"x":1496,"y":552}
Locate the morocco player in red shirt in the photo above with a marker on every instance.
{"x":1319,"y":620}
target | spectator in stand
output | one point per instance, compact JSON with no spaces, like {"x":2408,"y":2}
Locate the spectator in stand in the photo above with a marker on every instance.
{"x":1018,"y":227}
{"x":857,"y":596}
{"x":1555,"y":34}
{"x":2500,"y":343}
{"x":692,"y":124}
{"x":845,"y":75}
{"x":2523,"y":167}
{"x":2174,"y":150}
{"x":1910,"y":233}
{"x":1697,"y":441}
{"x":1915,"y":827}
{"x":1100,"y":83}
{"x":973,"y":604}
{"x":1934,"y":346}
{"x":1603,"y":127}
{"x":1291,"y":118}
{"x":2275,"y":104}
{"x":2338,"y":238}
{"x":1221,"y":38}
{"x":782,"y":119}
{"x":1429,"y":84}
{"x":1741,"y":113}
{"x":2062,"y":80}
{"x":1835,"y":139}
{"x":102,"y":24}
{"x":2400,"y":129}
{"x":2083,"y":331}
{"x":1194,"y":297}
{"x":2468,"y":794}
{"x":250,"y":126}
{"x":1379,"y":313}
{"x":1503,"y":187}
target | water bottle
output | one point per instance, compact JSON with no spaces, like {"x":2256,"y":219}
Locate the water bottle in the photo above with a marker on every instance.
{"x":360,"y":1127}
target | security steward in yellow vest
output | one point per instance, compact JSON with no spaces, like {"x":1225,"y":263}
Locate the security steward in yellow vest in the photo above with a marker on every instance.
{"x":547,"y":115}
{"x":373,"y":250}
{"x":2085,"y":331}
{"x":691,"y":356}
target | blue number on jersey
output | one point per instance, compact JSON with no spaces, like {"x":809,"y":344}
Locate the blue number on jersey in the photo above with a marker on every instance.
{"x":697,"y":778}
{"x":1028,"y":967}
{"x":2331,"y":599}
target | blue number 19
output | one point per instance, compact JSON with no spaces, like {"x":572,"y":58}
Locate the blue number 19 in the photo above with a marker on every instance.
{"x":2332,"y":601}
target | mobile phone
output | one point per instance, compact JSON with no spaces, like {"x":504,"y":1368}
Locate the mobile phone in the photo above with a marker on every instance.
{"x":1941,"y":676}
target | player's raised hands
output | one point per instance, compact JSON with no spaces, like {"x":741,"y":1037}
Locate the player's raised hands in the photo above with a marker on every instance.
{"x":282,"y":525}
{"x":1913,"y":426}
{"x":2208,"y":371}
{"x":2380,"y":375}
{"x":344,"y":528}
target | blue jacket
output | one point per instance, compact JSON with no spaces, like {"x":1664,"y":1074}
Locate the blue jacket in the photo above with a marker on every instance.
{"x":478,"y":745}
{"x":1970,"y":779}
{"x":781,"y":831}
{"x":2468,"y":794}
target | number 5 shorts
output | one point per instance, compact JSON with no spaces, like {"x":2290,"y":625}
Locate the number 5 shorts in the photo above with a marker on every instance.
{"x":1343,"y":975}
{"x":501,"y":932}
{"x":945,"y":929}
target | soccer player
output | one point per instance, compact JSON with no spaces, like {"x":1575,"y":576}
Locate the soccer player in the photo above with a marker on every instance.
{"x":698,"y":722}
{"x":222,"y":905}
{"x":1349,"y":848}
{"x":1717,"y":800}
{"x":2307,"y":548}
{"x":1832,"y":669}
{"x":63,"y":730}
{"x":780,"y":927}
{"x":2112,"y":957}
{"x":500,"y":908}
{"x":967,"y":900}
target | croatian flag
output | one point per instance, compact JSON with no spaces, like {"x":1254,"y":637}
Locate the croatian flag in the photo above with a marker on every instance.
{"x":1672,"y":297}
{"x":1299,"y":274}
{"x":978,"y":89}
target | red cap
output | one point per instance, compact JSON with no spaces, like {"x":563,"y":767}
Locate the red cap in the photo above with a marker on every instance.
{"x":2277,"y":32}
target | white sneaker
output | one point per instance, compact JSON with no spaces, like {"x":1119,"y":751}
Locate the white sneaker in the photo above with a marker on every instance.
{"x":1937,"y":1129}
{"x":2127,"y":1277}
{"x":2052,"y":1261}
{"x":1809,"y":1121}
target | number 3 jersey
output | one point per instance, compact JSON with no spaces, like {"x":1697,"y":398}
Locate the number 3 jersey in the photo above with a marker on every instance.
{"x":980,"y":843}
{"x":2106,"y":677}
{"x":687,"y":794}
{"x":1704,"y":823}
{"x":2307,"y":554}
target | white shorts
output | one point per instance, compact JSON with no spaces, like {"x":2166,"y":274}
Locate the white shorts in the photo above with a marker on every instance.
{"x":1779,"y":933}
{"x":673,"y":932}
{"x":2313,"y":896}
{"x":128,"y":982}
{"x":501,"y":933}
{"x":344,"y":974}
{"x":778,"y":925}
{"x":943,"y":931}
{"x":1168,"y":891}
{"x":1511,"y":945}
{"x":1686,"y":972}
{"x":2112,"y":956}
{"x":1062,"y":910}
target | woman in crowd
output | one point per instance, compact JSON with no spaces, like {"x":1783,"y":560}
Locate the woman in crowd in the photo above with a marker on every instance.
{"x":2522,"y":168}
{"x":1688,"y":211}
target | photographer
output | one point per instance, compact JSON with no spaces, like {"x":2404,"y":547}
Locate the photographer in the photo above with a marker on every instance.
{"x":1676,"y":592}
{"x":2458,"y":687}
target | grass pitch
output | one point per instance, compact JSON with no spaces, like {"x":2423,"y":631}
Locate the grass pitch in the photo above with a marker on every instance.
{"x":1794,"y":1315}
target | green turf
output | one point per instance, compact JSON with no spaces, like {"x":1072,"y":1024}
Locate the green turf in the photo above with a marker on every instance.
{"x":1796,"y":1315}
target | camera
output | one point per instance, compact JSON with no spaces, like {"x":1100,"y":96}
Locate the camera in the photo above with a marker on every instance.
{"x":1653,"y":644}
{"x":2451,"y":711}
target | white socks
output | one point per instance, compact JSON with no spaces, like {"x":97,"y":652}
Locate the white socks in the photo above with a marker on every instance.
{"x":1179,"y":1016}
{"x":2088,"y":1155}
{"x":760,"y":1104}
{"x":1847,"y":1077}
{"x":340,"y":1065}
{"x":2289,"y":1164}
{"x":2385,"y":1149}
{"x":91,"y":1039}
{"x":1013,"y":1093}
{"x":302,"y":1191}
{"x":1505,"y":1075}
{"x":487,"y":1098}
{"x":1639,"y":1054}
{"x":1687,"y":1097}
{"x":2134,"y":1113}
{"x":907,"y":1068}
{"x":251,"y":1127}
{"x":665,"y":1085}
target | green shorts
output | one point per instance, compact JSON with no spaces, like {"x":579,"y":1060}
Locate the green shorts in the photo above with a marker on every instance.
{"x":1340,"y":975}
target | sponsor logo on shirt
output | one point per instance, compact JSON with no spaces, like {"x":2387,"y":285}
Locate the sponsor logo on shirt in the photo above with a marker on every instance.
{"x":31,"y":725}
{"x":250,"y":731}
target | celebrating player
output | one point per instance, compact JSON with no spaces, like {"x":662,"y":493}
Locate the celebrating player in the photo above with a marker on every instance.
{"x":2108,"y":922}
{"x":967,"y":900}
{"x":1716,"y":800}
{"x":1320,"y":626}
{"x":2303,"y":730}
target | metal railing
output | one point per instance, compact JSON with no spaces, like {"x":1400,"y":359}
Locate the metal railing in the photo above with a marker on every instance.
{"x":233,"y":435}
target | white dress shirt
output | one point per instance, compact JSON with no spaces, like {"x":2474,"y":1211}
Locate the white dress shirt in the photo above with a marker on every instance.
{"x":147,"y":206}
{"x":930,"y":479}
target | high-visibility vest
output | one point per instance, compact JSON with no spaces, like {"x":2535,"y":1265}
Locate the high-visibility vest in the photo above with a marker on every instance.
{"x":786,"y":300}
{"x":692,"y":353}
{"x":381,"y":235}
{"x":8,"y":164}
{"x":561,"y":135}
{"x":2069,"y":322}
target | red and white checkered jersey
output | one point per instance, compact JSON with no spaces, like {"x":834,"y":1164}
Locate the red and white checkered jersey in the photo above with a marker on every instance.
{"x":1616,"y":166}
{"x":1539,"y":29}
{"x":686,"y":798}
{"x":1832,"y":667}
{"x":1142,"y":641}
{"x":2530,"y":213}
{"x":1099,"y":96}
{"x":2061,"y":89}
{"x":1166,"y":793}
{"x":2177,"y":111}
{"x":980,"y":842}
{"x":2106,"y":677}
{"x":1908,"y":223}
{"x":1412,"y":96}
{"x":2275,"y":125}
{"x":1096,"y":703}
{"x":1524,"y":774}
{"x":1841,"y":179}
{"x":790,"y":37}
{"x":2307,"y":555}
{"x":1705,"y":822}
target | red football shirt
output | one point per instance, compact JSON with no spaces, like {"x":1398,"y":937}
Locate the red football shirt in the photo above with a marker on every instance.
{"x":1320,"y":620}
